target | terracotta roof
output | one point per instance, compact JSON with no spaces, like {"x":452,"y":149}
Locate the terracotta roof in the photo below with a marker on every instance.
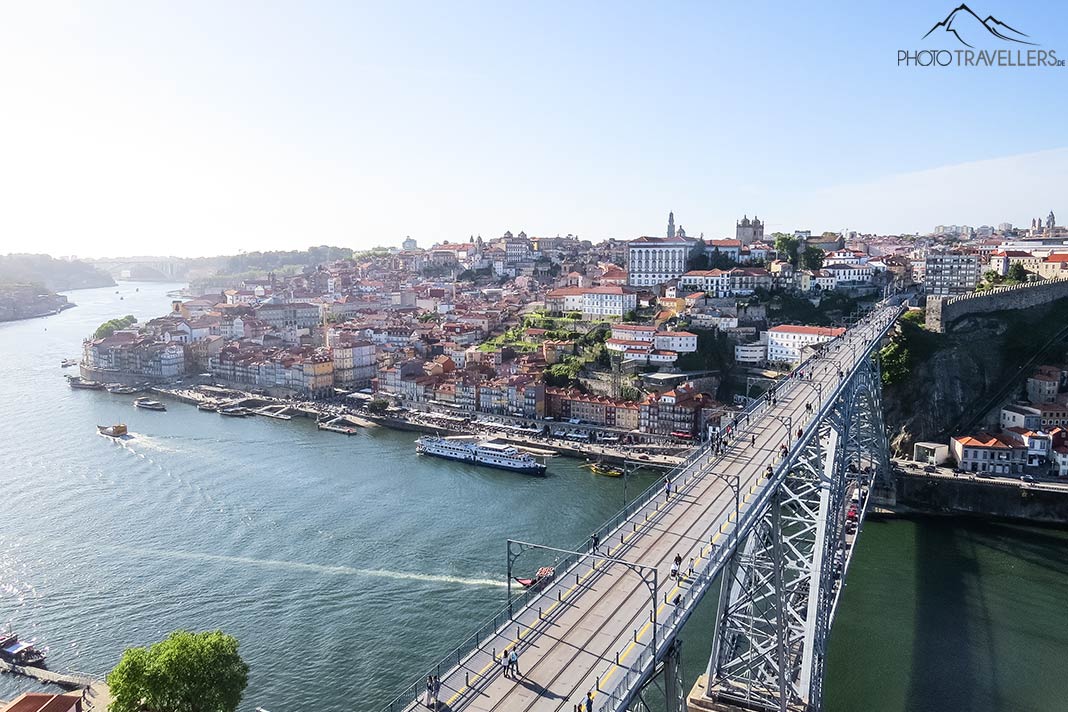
{"x":815,"y":330}
{"x":706,"y":273}
{"x":660,"y":240}
{"x":985,"y":440}
{"x":44,"y":702}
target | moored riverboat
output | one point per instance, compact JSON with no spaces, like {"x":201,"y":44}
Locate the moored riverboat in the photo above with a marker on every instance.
{"x":149,"y":404}
{"x":20,"y":653}
{"x":503,"y":457}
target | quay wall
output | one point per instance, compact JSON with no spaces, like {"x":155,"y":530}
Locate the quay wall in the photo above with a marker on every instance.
{"x":103,"y":375}
{"x":943,"y":311}
{"x":981,"y":497}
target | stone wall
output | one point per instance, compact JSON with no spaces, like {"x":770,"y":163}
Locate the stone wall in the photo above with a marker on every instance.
{"x":981,"y":497}
{"x":943,"y":311}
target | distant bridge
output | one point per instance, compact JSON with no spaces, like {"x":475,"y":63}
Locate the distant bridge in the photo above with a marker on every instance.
{"x":125,"y":267}
{"x":766,"y":519}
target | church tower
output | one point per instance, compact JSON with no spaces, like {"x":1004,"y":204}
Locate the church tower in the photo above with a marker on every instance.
{"x":671,"y":224}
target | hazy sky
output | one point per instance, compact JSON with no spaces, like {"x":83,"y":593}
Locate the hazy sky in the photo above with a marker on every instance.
{"x":193,"y":128}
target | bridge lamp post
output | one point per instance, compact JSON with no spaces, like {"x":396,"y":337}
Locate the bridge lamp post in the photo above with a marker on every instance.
{"x":734,"y":482}
{"x":788,"y":422}
{"x":819,"y":390}
{"x":648,"y":574}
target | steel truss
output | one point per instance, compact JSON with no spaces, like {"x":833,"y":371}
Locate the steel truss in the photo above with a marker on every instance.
{"x":780,"y":588}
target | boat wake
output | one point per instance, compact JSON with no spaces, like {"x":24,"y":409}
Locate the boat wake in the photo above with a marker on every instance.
{"x":316,"y":568}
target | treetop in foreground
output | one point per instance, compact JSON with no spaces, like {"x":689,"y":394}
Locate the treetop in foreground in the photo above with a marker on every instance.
{"x":185,"y":672}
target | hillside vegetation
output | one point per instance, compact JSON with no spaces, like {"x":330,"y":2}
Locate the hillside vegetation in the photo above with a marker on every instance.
{"x":55,"y":275}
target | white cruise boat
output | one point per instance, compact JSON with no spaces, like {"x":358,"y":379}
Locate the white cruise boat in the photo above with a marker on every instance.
{"x":505,"y":457}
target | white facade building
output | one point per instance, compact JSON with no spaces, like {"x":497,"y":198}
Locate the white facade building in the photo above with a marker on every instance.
{"x":607,"y":302}
{"x":716,"y":282}
{"x":654,"y":260}
{"x":786,"y":342}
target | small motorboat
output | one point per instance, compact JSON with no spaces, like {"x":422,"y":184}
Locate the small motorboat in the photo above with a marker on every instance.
{"x":207,"y":407}
{"x":542,"y":577}
{"x":17,"y":653}
{"x":68,"y":362}
{"x":234,"y":412}
{"x":112,"y":431}
{"x":122,"y":390}
{"x":599,"y":468}
{"x":149,"y":404}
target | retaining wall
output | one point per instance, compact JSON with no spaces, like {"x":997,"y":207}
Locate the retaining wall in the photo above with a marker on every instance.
{"x":943,"y":311}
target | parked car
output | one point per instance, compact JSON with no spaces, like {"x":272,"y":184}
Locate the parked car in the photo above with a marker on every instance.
{"x":930,"y":468}
{"x":1027,"y":478}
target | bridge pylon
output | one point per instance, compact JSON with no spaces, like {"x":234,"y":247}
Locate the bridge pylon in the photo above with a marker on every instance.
{"x":779,"y":592}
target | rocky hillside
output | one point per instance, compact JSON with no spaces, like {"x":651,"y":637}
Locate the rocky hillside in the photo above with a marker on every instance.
{"x":935,"y":385}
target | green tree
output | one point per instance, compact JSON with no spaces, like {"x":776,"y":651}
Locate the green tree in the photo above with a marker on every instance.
{"x":1017,"y":273}
{"x":110,"y":327}
{"x":991,"y":277}
{"x":185,"y":672}
{"x":378,"y":405}
{"x":697,"y":261}
{"x":787,"y":245}
{"x":812,"y":258}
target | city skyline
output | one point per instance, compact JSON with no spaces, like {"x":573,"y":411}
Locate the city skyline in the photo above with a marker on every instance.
{"x":203,"y":131}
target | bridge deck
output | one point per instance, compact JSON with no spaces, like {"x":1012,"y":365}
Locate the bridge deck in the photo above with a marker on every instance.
{"x":591,"y":627}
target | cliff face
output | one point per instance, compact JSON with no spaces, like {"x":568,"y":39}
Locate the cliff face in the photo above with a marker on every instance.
{"x":981,"y":362}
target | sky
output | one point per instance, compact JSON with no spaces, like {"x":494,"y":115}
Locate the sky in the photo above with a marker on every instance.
{"x":201,"y":128}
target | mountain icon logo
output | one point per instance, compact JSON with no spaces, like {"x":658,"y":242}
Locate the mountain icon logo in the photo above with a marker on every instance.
{"x":968,"y":28}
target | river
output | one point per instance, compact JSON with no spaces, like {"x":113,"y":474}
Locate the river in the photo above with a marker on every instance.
{"x":346,"y":565}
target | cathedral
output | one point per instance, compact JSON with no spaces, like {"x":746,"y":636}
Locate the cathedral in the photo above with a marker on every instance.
{"x":749,"y":231}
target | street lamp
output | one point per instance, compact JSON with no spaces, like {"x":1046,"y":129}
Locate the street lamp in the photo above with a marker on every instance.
{"x":736,"y":488}
{"x":788,"y":422}
{"x":516,"y":549}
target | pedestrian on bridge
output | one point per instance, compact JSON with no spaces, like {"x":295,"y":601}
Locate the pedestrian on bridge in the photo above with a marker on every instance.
{"x":504,"y":663}
{"x":429,"y":690}
{"x":667,"y":489}
{"x":589,"y":702}
{"x":689,"y":571}
{"x":513,"y":662}
{"x":596,"y":540}
{"x":437,"y":691}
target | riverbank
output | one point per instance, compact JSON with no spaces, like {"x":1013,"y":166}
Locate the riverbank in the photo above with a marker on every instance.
{"x":17,"y":306}
{"x":219,"y":397}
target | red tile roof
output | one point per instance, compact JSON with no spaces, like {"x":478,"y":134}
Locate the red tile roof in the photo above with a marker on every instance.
{"x":815,"y":330}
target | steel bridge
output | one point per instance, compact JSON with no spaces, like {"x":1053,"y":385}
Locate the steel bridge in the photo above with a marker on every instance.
{"x":762,"y":516}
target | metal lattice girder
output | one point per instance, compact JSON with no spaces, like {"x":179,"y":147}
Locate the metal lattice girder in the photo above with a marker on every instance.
{"x":778,"y":594}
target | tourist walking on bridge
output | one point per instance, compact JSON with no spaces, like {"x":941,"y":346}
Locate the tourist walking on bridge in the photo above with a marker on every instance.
{"x":513,"y":662}
{"x":429,"y":690}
